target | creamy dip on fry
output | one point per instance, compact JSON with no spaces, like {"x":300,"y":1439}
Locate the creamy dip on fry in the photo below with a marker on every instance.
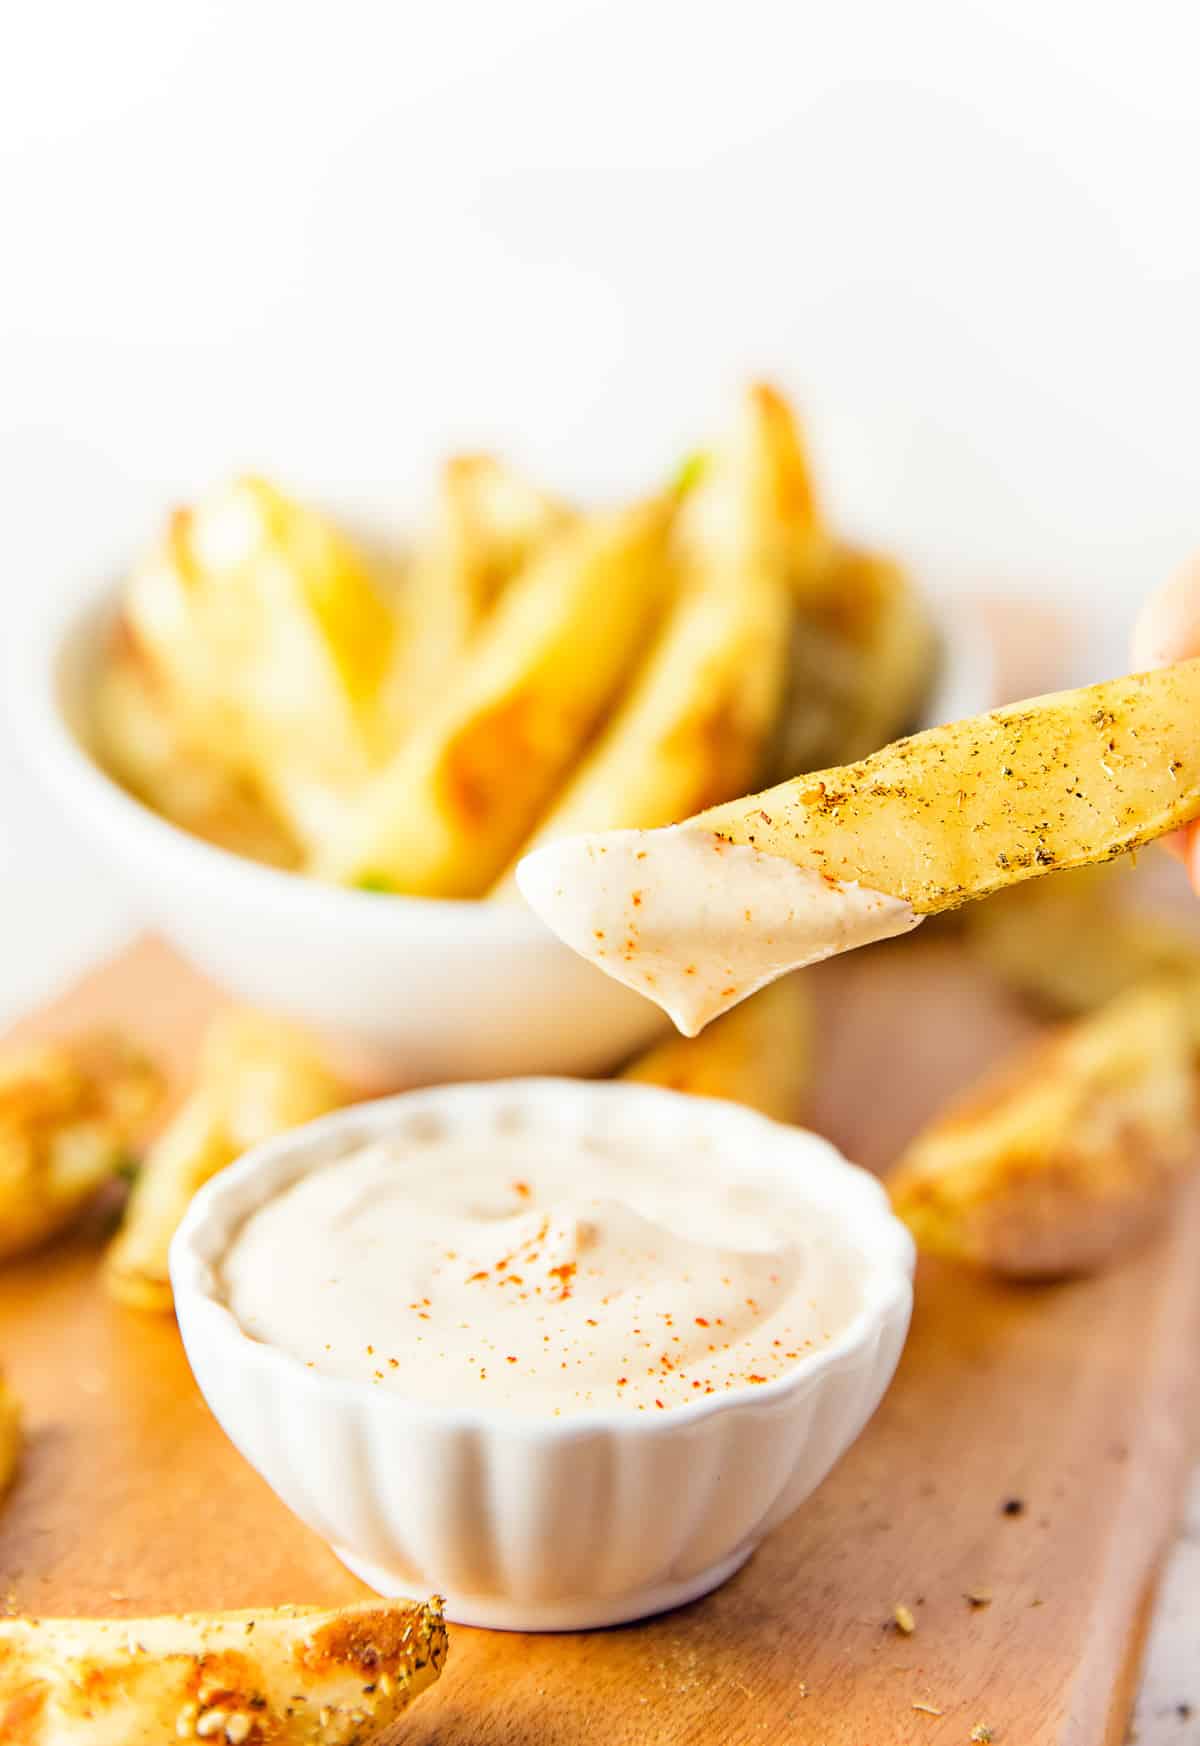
{"x":547,"y":1274}
{"x":694,"y":922}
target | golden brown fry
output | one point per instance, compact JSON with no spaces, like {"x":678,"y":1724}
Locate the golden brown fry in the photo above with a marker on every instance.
{"x":258,"y":1076}
{"x":760,"y":1054}
{"x":961,"y":811}
{"x":10,"y":1435}
{"x":1069,"y":1152}
{"x":266,"y":627}
{"x":445,"y":816}
{"x":69,"y":1113}
{"x":288,"y":1676}
{"x":142,"y":742}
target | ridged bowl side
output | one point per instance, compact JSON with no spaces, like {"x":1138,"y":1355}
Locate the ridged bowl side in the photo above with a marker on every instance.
{"x":527,"y":1523}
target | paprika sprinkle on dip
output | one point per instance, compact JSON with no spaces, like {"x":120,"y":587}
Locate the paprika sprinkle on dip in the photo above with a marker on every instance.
{"x":544,"y":1274}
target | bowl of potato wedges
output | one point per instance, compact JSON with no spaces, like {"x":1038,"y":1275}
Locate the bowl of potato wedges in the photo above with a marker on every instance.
{"x":317,"y":755}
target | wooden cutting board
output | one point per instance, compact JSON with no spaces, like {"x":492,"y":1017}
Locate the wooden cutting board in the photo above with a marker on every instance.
{"x":1033,"y":1446}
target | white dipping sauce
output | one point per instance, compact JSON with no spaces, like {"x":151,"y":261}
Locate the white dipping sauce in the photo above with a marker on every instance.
{"x":542,"y":1273}
{"x":694,"y":922}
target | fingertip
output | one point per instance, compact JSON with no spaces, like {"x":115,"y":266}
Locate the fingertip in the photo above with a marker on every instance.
{"x":1168,"y":627}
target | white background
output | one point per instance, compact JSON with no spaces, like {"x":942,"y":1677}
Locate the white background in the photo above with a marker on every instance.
{"x":330,"y":240}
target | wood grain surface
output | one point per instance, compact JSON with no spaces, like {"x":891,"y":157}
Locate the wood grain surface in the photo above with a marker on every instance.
{"x":1072,"y":1402}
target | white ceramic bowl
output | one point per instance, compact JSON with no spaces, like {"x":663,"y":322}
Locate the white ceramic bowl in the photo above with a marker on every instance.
{"x":437,"y":990}
{"x":566,"y":1523}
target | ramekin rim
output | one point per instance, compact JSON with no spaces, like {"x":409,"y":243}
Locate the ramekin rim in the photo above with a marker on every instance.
{"x":887,"y":1285}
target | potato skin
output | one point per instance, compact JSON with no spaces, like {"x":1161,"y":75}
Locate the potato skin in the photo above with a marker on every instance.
{"x":961,"y":811}
{"x":285,"y":1676}
{"x":1069,"y":1152}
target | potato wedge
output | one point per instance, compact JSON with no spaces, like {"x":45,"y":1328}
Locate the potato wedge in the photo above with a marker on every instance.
{"x":1071,"y":943}
{"x":862,"y":657}
{"x":162,"y":621}
{"x":490,"y":523}
{"x":1068,"y":1153}
{"x":289,"y":1676}
{"x":69,"y":1113}
{"x":142,"y":743}
{"x":754,"y":497}
{"x":693,"y":727}
{"x":760,"y":1054}
{"x":10,"y":1435}
{"x":862,"y":648}
{"x":961,"y":811}
{"x":258,"y":1076}
{"x":445,"y":816}
{"x":267,"y":627}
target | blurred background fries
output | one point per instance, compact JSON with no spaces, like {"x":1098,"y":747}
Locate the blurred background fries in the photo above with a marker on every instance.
{"x":411,"y":722}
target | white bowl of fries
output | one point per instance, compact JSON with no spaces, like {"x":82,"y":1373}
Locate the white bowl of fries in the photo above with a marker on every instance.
{"x":432,"y":989}
{"x":317,"y":761}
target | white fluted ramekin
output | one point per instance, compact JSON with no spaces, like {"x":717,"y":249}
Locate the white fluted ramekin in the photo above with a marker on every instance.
{"x":566,"y":1523}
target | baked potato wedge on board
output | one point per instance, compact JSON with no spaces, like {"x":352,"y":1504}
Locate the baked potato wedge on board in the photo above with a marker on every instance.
{"x":964,"y":810}
{"x":760,"y":1054}
{"x":445,"y":816}
{"x":289,"y":1676}
{"x":1069,"y":944}
{"x":69,"y":1113}
{"x":1068,"y":1152}
{"x":258,"y":1076}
